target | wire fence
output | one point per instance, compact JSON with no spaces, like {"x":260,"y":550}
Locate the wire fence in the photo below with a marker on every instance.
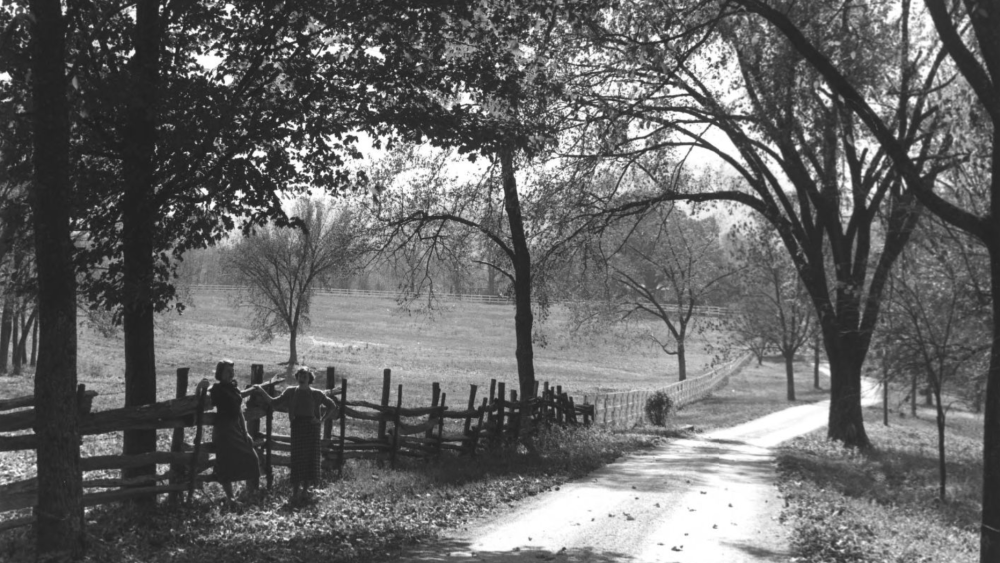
{"x":627,"y":408}
{"x":451,"y":297}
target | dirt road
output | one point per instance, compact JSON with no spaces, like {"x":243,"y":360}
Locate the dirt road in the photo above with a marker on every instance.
{"x":704,"y":500}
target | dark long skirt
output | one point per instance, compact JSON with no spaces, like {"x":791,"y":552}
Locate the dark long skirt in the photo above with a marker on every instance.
{"x":305,"y":451}
{"x":235,"y":458}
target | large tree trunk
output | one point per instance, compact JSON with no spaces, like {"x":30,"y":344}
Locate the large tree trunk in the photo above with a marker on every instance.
{"x":846,"y":422}
{"x":138,"y":224}
{"x":789,"y":375}
{"x":59,"y":512}
{"x":523,"y":318}
{"x":990,"y":538}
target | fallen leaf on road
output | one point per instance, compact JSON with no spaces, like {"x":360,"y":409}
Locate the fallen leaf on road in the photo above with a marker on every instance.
{"x":677,"y":548}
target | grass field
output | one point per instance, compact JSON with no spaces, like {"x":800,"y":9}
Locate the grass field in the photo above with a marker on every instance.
{"x":464,"y":343}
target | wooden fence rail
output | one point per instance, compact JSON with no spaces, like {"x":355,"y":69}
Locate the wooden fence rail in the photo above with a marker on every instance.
{"x":393,"y":430}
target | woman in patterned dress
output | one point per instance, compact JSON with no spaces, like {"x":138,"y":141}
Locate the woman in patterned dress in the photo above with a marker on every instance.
{"x":303,"y":404}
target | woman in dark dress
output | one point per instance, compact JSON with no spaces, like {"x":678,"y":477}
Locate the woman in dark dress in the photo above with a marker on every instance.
{"x":235,"y":457}
{"x":303,"y":404}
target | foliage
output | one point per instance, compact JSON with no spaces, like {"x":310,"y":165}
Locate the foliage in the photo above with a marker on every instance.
{"x":658,"y":407}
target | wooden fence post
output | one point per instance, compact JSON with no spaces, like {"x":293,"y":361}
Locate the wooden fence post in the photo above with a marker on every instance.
{"x":440,"y":441}
{"x":198,"y":417}
{"x":501,"y":390}
{"x":331,"y":380}
{"x":559,"y":405}
{"x":514,"y":415}
{"x":546,"y":397}
{"x":253,"y":426}
{"x":472,"y":405}
{"x":479,"y":428}
{"x":177,"y":441}
{"x":268,"y":428}
{"x":435,"y":397}
{"x":343,"y":423}
{"x":386,"y":382}
{"x":395,"y":430}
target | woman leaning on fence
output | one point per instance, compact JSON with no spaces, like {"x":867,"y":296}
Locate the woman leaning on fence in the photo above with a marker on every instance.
{"x":303,"y":404}
{"x":235,"y":457}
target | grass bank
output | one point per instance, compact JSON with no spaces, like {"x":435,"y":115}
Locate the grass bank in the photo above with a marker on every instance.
{"x":846,"y":506}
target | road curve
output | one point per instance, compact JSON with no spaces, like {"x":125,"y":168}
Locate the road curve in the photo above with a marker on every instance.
{"x":703,"y":500}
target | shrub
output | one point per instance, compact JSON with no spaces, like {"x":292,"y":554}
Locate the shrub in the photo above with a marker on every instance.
{"x":658,"y":407}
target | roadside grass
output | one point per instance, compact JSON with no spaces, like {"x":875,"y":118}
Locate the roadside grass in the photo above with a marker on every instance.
{"x":882,"y":505}
{"x":369,"y":514}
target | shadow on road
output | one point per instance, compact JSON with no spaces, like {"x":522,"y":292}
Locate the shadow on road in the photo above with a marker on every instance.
{"x":452,"y":551}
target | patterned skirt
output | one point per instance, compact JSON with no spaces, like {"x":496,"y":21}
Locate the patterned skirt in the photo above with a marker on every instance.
{"x":305,"y":451}
{"x":235,"y":458}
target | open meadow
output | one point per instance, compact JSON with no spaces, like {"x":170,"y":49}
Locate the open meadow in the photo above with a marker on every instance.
{"x":461,"y":344}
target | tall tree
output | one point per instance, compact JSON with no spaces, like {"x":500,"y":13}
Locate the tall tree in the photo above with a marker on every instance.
{"x":970,"y":35}
{"x":669,"y":265}
{"x":497,"y":95}
{"x":774,"y":305}
{"x":59,"y":512}
{"x":279,"y":268}
{"x":939,"y":319}
{"x":798,"y":150}
{"x":191,"y":115}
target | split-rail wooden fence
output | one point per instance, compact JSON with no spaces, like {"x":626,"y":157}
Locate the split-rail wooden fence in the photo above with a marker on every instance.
{"x":385,"y":431}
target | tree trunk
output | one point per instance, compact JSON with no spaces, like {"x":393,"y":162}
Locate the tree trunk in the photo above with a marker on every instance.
{"x":15,"y":351}
{"x":789,"y":376}
{"x":942,"y":468}
{"x":293,"y":354}
{"x":990,"y":538}
{"x":523,"y":317}
{"x":681,"y":360}
{"x":34,"y":342}
{"x":816,"y":362}
{"x":22,"y":346}
{"x":846,"y":423}
{"x":138,"y":230}
{"x":59,"y":526}
{"x":6,"y":325}
{"x":913,"y":395}
{"x":885,"y":397}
